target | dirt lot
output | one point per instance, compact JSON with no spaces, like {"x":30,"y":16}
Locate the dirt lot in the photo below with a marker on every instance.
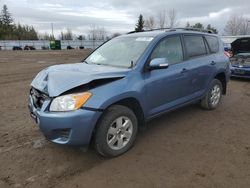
{"x":186,"y":148}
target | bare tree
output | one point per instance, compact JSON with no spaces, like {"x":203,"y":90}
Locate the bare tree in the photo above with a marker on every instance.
{"x":162,"y":19}
{"x":245,"y":27}
{"x":45,"y":36}
{"x":101,"y":33}
{"x":167,"y":18}
{"x":97,"y":33}
{"x":232,"y":26}
{"x":93,"y":32}
{"x":150,"y":23}
{"x":172,"y":18}
{"x":237,"y":25}
{"x":68,"y":35}
{"x":188,"y":25}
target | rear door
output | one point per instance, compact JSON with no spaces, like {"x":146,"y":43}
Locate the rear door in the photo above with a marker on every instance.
{"x":201,"y":61}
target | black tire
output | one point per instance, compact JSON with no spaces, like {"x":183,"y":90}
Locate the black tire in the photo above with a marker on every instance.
{"x":207,"y":102}
{"x":104,"y":125}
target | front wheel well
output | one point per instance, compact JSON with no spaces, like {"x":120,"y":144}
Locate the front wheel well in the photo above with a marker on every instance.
{"x":135,"y":106}
{"x":130,"y":103}
{"x":222,"y":78}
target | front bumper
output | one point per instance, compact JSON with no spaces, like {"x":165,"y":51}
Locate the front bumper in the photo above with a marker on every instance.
{"x":240,"y":72}
{"x":68,"y":128}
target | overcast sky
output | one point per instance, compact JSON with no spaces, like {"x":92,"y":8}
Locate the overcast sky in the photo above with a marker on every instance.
{"x":118,"y":15}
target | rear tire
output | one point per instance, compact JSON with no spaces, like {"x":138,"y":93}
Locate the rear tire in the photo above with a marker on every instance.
{"x":213,"y":96}
{"x":116,"y":131}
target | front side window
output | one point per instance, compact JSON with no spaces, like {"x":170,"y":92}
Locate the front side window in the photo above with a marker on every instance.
{"x":195,"y":45}
{"x":120,"y":52}
{"x":169,"y":48}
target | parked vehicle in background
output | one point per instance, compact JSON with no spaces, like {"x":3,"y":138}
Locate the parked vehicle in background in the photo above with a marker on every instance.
{"x":126,"y":82}
{"x":240,"y":61}
{"x":70,"y":47}
{"x":29,"y":48}
{"x":227,"y":47}
{"x":17,"y":48}
{"x":45,"y":47}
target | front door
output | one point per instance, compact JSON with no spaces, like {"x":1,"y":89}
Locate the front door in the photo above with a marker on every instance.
{"x":166,"y":88}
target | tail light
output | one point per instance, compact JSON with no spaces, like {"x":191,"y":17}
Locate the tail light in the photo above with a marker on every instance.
{"x":227,"y":54}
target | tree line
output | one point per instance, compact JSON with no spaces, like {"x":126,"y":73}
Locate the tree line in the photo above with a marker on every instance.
{"x":236,"y":25}
{"x":11,"y":31}
{"x":94,"y":33}
{"x":166,"y":19}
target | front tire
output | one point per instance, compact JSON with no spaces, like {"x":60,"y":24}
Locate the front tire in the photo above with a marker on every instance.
{"x":116,"y":131}
{"x":213,"y":96}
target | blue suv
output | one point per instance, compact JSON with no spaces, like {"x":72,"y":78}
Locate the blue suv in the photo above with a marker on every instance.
{"x":126,"y":82}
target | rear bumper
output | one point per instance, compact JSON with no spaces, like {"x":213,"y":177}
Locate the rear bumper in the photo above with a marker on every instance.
{"x":67,"y":128}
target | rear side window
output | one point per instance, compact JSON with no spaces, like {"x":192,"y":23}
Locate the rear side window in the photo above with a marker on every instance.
{"x":213,"y":43}
{"x":169,"y":48}
{"x":195,"y":45}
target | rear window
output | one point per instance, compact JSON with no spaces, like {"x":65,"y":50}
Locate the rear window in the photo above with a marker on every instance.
{"x":195,"y":45}
{"x":213,"y":43}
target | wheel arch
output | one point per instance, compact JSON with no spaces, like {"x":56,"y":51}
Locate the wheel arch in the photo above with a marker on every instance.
{"x":130,"y":102}
{"x":221,"y":76}
{"x":133,"y":104}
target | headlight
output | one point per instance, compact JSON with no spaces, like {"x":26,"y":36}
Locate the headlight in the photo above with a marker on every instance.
{"x":69,"y":102}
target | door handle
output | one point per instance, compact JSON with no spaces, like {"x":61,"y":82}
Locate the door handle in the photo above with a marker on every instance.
{"x":213,"y":63}
{"x":184,"y":70}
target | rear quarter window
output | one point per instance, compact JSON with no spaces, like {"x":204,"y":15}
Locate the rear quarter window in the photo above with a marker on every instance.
{"x":195,"y":45}
{"x":213,"y":43}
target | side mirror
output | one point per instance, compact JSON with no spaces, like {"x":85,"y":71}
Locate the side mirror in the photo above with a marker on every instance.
{"x":158,"y":63}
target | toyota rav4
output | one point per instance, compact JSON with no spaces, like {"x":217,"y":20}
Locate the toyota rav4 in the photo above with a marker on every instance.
{"x":126,"y":82}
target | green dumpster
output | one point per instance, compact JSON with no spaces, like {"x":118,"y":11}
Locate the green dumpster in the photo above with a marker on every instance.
{"x":55,"y":45}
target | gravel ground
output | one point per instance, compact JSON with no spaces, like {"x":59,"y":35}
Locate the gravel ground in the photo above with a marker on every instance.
{"x":189,"y":147}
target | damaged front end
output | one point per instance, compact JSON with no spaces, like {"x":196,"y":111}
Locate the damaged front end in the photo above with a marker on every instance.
{"x":57,"y":97}
{"x":240,"y":66}
{"x":240,"y":62}
{"x":59,"y":79}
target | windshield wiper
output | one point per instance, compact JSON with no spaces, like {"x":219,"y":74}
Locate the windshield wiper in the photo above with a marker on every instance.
{"x":98,"y":64}
{"x":131,"y":64}
{"x":84,"y":61}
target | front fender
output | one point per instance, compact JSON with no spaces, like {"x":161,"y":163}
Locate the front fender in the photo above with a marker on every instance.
{"x":108,"y":94}
{"x":120,"y":97}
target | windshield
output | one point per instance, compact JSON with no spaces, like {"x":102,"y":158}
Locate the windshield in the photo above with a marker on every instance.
{"x":120,"y":52}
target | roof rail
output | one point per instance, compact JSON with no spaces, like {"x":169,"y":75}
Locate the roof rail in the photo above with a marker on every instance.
{"x":193,"y":29}
{"x":174,"y":29}
{"x":158,"y":29}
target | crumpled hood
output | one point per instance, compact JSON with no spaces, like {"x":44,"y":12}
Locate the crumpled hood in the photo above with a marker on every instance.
{"x":58,"y":79}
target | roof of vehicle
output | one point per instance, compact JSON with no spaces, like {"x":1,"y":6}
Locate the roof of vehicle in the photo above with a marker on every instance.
{"x":157,"y":32}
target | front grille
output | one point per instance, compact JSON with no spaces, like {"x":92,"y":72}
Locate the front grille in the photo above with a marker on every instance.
{"x":38,"y":97}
